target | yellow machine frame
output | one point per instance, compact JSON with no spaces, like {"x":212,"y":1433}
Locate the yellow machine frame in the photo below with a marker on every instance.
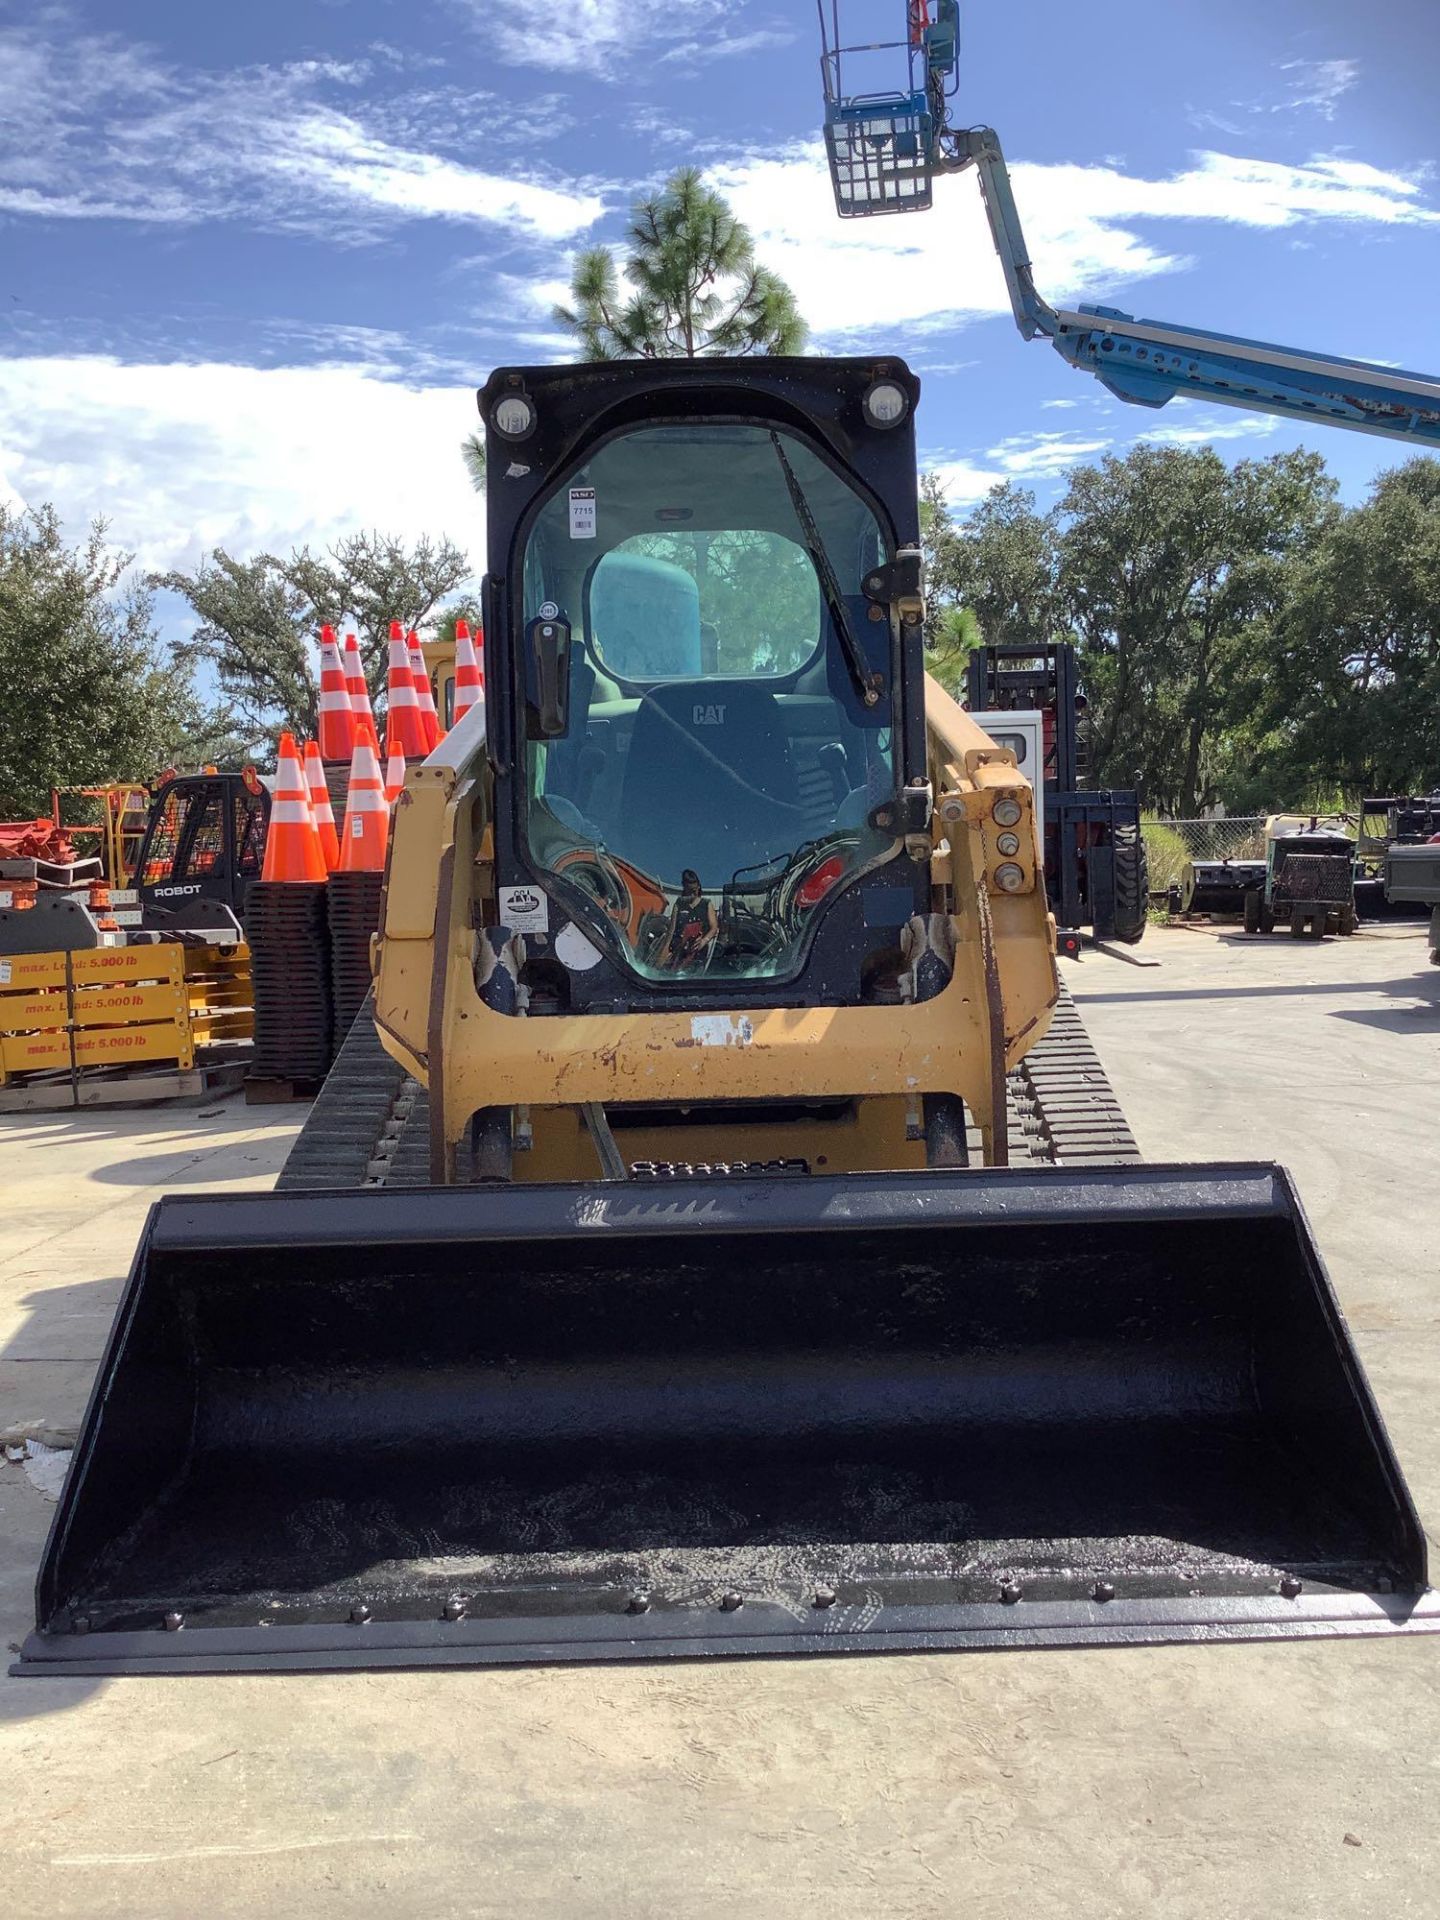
{"x":440,"y":881}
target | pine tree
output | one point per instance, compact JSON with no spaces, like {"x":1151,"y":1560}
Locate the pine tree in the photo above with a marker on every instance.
{"x":688,"y":286}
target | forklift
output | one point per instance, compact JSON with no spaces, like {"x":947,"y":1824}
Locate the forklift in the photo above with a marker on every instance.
{"x":1095,"y":869}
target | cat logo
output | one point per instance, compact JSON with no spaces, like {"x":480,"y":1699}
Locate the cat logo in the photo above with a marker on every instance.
{"x":701,"y":716}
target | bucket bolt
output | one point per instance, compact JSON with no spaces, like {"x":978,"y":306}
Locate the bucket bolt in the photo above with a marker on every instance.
{"x":639,"y":1602}
{"x":455,"y":1607}
{"x":1290,"y":1586}
{"x":174,"y":1620}
{"x":1010,"y":1592}
{"x":81,"y":1623}
{"x":1103,"y":1590}
{"x":824,"y":1596}
{"x":359,"y":1614}
{"x":731,"y":1601}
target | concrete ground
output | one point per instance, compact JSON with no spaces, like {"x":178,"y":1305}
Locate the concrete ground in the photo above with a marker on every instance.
{"x":1285,"y":1780}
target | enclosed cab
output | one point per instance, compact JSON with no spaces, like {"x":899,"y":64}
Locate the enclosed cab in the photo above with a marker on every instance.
{"x":714,"y":866}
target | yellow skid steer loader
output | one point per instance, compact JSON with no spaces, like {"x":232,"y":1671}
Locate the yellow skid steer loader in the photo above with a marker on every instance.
{"x":749,"y":1306}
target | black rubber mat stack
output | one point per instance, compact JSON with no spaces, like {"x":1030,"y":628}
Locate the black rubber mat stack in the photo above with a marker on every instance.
{"x":287,"y":929}
{"x":354,"y":909}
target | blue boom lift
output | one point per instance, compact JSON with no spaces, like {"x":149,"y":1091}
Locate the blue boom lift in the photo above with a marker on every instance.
{"x":885,"y":149}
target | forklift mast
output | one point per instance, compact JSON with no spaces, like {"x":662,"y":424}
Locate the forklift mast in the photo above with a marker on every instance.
{"x":1010,"y":677}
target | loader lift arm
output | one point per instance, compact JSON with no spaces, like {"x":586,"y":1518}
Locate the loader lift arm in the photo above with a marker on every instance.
{"x":884,"y":150}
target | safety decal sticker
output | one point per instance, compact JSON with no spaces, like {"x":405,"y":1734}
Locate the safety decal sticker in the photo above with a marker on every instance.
{"x":524,"y":910}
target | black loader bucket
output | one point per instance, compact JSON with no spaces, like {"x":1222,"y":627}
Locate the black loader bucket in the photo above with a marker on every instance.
{"x":772,"y":1416}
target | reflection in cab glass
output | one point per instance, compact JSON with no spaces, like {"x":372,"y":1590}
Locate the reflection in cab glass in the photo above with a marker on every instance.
{"x":711,"y":704}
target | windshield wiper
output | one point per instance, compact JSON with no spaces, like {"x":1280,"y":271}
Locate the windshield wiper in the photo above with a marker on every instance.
{"x":868,"y":685}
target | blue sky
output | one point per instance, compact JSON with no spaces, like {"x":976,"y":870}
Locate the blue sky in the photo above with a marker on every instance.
{"x":254,"y":260}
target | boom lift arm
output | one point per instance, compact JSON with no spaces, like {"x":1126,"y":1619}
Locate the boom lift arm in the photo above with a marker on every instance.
{"x":884,"y":150}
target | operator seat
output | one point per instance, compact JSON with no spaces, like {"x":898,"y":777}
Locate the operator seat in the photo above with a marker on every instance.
{"x":710,"y":782}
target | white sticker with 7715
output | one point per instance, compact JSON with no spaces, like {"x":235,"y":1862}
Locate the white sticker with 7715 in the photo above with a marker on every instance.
{"x":582,"y":513}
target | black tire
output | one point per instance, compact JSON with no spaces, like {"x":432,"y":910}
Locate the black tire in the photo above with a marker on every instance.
{"x":1251,"y":910}
{"x":1132,"y":882}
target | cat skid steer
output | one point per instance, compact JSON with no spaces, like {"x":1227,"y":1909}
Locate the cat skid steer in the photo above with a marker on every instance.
{"x":749,"y":1304}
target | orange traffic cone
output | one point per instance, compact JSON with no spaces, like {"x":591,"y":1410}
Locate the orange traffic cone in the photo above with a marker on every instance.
{"x":367,"y":809}
{"x":469,"y":674}
{"x":404,"y":724}
{"x":337,"y":722}
{"x":355,"y":684}
{"x":320,"y":809}
{"x":420,"y":675}
{"x":394,"y":767}
{"x":292,"y":846}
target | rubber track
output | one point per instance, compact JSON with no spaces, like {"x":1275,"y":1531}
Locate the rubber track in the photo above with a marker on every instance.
{"x":1069,"y":1115}
{"x":370,"y":1124}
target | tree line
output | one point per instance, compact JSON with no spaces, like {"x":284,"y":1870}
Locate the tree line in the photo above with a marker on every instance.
{"x":1243,"y":639}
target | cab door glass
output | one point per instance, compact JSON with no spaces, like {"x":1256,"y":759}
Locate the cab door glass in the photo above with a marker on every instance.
{"x":720,"y":769}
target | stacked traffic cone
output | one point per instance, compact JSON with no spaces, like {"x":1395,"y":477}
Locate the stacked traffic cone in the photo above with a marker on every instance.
{"x":289,"y":946}
{"x":404,"y":722}
{"x":394,"y":766}
{"x":293,"y":855}
{"x":358,"y":693}
{"x":420,"y":677}
{"x":320,"y":808}
{"x":469,"y":672}
{"x":355,"y":683}
{"x":337,"y":721}
{"x":357,"y":885}
{"x":367,"y":810}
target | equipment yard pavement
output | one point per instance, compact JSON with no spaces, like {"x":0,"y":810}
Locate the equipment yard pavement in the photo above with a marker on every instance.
{"x":1289,"y":1781}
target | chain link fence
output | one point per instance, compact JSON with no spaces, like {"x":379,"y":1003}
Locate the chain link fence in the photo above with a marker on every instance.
{"x":1171,"y":844}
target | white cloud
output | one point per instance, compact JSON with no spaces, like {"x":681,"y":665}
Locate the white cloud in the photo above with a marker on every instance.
{"x":184,"y":458}
{"x":1054,"y":406}
{"x":1041,"y":457}
{"x":1318,"y":84}
{"x":927,"y":273}
{"x":1310,"y":86}
{"x":600,"y":38}
{"x":964,"y":482}
{"x":90,"y":127}
{"x":1247,"y":426}
{"x":1025,"y":456}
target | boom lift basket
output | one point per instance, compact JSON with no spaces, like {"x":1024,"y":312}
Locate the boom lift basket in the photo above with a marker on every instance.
{"x":771,"y":1416}
{"x":879,"y":152}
